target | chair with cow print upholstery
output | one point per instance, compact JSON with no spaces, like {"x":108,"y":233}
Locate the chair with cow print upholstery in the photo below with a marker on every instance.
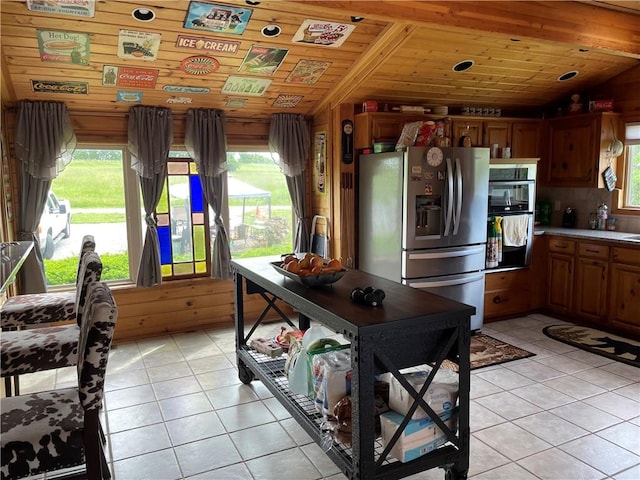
{"x":38,"y":349}
{"x":56,"y":429}
{"x":36,"y":308}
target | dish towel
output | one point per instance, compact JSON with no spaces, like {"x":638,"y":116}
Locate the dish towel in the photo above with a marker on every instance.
{"x":514,"y":230}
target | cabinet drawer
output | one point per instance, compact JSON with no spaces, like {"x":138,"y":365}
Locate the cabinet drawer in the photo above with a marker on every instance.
{"x":506,"y":280}
{"x":562,"y":246}
{"x":506,"y":302}
{"x":593,"y":250}
{"x":626,"y":255}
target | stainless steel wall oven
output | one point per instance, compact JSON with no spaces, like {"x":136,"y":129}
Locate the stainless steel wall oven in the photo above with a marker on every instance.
{"x":512,"y":194}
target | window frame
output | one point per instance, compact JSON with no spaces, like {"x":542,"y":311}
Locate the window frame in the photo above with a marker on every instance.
{"x":619,"y":197}
{"x":134,"y":216}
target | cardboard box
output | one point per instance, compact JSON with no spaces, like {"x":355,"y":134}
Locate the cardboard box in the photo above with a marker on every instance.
{"x":418,"y":438}
{"x":441,"y":395}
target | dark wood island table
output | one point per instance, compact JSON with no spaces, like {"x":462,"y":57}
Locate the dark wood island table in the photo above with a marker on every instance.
{"x":411,"y":328}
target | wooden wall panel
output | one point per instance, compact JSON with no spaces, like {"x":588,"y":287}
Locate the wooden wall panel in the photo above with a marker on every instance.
{"x":625,"y":91}
{"x":180,"y":306}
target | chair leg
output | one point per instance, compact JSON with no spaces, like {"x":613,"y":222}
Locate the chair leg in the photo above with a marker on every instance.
{"x":94,"y":456}
{"x":7,"y":386}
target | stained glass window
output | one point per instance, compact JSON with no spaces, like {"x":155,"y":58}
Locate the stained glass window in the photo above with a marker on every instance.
{"x":182,"y":220}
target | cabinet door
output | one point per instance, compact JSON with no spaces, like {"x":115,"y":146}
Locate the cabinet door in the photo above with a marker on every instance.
{"x":497,"y":133}
{"x":475,"y":132}
{"x":525,"y":139}
{"x":560,"y":277}
{"x":573,"y":152}
{"x":590,"y":301}
{"x":386,"y":128}
{"x":624,"y":306}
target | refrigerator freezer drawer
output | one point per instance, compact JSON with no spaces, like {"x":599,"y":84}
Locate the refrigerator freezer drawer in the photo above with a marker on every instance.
{"x":442,"y":261}
{"x":465,"y":288}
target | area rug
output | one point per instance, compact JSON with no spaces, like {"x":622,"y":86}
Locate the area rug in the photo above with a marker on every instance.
{"x":596,"y":341}
{"x":486,"y":350}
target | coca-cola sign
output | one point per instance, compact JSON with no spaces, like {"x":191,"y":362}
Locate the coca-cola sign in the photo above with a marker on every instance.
{"x":51,"y":86}
{"x":130,"y":77}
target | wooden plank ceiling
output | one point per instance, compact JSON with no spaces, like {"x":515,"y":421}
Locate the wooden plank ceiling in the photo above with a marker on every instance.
{"x":401,"y":53}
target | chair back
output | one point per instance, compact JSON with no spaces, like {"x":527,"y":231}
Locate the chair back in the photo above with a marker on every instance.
{"x":90,"y":272}
{"x":94,"y":343}
{"x":88,"y":245}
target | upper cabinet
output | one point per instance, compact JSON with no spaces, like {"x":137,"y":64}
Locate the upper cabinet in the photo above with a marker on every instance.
{"x":522,"y":135}
{"x":577,"y":149}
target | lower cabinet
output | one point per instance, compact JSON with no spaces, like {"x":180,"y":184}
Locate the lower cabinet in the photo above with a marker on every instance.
{"x":595,"y":282}
{"x":624,"y":303}
{"x":592,"y":269}
{"x":560,"y":275}
{"x":506,"y":293}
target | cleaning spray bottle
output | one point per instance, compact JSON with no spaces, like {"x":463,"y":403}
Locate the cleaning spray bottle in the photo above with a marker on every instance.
{"x":498,"y":227}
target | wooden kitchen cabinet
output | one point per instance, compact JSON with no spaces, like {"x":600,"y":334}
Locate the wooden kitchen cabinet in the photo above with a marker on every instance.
{"x":475,"y":132}
{"x":591,"y":282}
{"x":496,"y":132}
{"x":507,"y":293}
{"x":372,"y":127}
{"x":577,"y":149}
{"x":560,"y":275}
{"x":526,"y":139}
{"x":624,"y":299}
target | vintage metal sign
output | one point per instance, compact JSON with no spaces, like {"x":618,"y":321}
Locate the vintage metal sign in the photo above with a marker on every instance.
{"x":199,"y":65}
{"x":52,"y":86}
{"x":254,"y":87}
{"x":217,"y":18}
{"x":181,"y":89}
{"x":217,"y":45}
{"x":138,"y":45}
{"x":131,"y":77}
{"x":76,"y":8}
{"x":64,"y":47}
{"x":183,"y":100}
{"x":287,"y":101}
{"x":307,"y":72}
{"x":237,"y":102}
{"x":262,"y":60}
{"x":130,"y":97}
{"x":319,"y":32}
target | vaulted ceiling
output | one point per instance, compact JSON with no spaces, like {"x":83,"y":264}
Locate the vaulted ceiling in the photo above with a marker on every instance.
{"x":400,"y":53}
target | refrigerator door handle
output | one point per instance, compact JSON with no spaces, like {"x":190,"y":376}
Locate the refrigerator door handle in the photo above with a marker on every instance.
{"x":448,"y":254}
{"x":456,"y":217}
{"x":449,"y":198}
{"x":447,"y":283}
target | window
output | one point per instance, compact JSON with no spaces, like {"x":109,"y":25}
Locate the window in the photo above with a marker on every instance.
{"x":628,"y":200}
{"x":93,"y":195}
{"x":257,"y":213}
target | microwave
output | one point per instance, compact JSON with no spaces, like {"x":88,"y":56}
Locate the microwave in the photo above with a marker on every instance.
{"x":511,"y":188}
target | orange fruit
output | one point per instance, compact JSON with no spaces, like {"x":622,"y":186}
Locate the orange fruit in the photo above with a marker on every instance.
{"x":335,"y":264}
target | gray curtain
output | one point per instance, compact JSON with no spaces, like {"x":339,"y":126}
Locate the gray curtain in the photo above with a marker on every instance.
{"x":289,"y":137}
{"x":205,"y":139}
{"x":150,"y":138}
{"x":44,"y":145}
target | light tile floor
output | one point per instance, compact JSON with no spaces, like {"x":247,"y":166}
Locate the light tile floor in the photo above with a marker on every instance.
{"x":174,"y":408}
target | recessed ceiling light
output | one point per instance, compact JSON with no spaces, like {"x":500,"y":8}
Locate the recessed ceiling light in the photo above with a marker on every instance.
{"x":250,"y":2}
{"x":272,"y":30}
{"x":143,"y":14}
{"x":462,"y":66}
{"x":514,"y":39}
{"x":357,"y":19}
{"x":567,"y":76}
{"x":583,"y":50}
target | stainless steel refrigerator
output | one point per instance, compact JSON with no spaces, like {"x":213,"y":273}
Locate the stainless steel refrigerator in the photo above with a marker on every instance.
{"x":423,"y":220}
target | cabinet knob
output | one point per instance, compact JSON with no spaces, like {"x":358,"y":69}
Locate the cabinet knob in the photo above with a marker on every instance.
{"x":497,"y":299}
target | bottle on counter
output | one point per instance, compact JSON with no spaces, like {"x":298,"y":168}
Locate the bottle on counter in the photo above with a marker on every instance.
{"x":498,"y":228}
{"x":492,"y":244}
{"x":602,"y":216}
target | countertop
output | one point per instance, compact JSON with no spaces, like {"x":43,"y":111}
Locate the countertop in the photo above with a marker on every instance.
{"x":586,"y":234}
